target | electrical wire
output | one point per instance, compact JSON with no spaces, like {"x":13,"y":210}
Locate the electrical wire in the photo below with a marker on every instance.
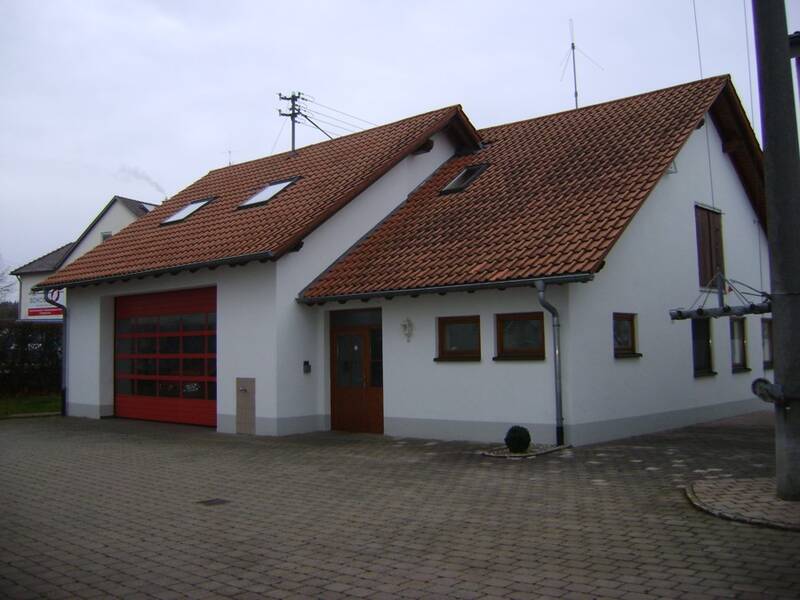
{"x":341,"y":112}
{"x":278,"y":137}
{"x":334,"y":125}
{"x":308,"y":126}
{"x":307,"y":118}
{"x":327,"y":116}
{"x":747,"y":46}
{"x":697,"y":36}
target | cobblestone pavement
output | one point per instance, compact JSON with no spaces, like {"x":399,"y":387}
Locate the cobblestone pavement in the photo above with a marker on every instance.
{"x":110,"y":508}
{"x":747,"y":500}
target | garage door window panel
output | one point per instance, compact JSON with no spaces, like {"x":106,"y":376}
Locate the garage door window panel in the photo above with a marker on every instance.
{"x":164,"y":360}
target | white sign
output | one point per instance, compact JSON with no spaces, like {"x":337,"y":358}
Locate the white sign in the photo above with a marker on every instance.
{"x":39,"y":307}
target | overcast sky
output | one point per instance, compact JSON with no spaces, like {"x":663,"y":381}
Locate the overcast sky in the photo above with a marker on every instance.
{"x":140,"y":98}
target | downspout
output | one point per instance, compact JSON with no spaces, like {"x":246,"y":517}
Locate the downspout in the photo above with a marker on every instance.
{"x":540,"y":288}
{"x":64,"y":339}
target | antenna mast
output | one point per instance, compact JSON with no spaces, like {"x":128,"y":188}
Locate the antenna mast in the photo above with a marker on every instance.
{"x":574,"y":69}
{"x":572,"y":54}
{"x":294,"y":111}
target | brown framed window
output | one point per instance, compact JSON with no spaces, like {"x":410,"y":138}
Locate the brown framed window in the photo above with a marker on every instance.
{"x":738,"y":344}
{"x":624,"y":330}
{"x":766,"y":342}
{"x":520,"y":336}
{"x":459,"y":338}
{"x":710,"y":258}
{"x":701,"y":347}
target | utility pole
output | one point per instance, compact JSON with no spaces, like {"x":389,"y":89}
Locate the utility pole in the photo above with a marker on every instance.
{"x":782,"y":180}
{"x":294,"y":111}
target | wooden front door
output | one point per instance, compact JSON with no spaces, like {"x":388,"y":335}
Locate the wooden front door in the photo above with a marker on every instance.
{"x":357,"y":379}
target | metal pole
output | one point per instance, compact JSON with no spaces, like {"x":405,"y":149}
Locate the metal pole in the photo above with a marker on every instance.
{"x":782,"y":179}
{"x":294,"y":115}
{"x":293,"y":111}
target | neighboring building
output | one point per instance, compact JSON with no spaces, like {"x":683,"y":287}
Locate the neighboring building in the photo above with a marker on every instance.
{"x":386,"y":281}
{"x":118,"y":213}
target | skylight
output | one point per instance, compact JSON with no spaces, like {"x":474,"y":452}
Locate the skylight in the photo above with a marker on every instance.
{"x":463,"y":179}
{"x":187,"y":210}
{"x":266,"y":194}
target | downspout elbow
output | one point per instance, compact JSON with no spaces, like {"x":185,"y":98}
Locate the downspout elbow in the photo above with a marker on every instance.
{"x":540,"y":288}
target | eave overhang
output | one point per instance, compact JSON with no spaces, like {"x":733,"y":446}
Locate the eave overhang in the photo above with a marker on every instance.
{"x":233,"y":261}
{"x":447,"y":289}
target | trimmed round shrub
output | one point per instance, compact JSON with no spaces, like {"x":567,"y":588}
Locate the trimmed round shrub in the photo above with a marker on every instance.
{"x":518,"y":439}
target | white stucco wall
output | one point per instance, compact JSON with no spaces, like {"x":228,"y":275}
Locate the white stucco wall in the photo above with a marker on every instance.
{"x":303,"y":403}
{"x":245,"y":338}
{"x":116,"y":218}
{"x":651,"y":269}
{"x":465,"y":400}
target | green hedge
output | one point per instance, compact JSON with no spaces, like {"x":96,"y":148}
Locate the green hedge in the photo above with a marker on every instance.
{"x":30,"y":358}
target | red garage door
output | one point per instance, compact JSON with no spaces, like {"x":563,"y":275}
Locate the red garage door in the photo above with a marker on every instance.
{"x":166,"y":357}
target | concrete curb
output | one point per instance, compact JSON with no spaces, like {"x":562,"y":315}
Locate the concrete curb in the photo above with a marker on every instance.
{"x":31,"y":415}
{"x":489,"y":454}
{"x":732,"y":516}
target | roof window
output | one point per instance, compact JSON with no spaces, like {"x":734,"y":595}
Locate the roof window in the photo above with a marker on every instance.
{"x":187,"y":210}
{"x":463,"y":179}
{"x":267,"y":193}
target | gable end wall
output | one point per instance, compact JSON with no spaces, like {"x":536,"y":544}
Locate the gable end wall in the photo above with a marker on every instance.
{"x":651,"y":269}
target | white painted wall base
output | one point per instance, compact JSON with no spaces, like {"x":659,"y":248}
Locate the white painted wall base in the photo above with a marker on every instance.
{"x":472,"y":431}
{"x":282,"y":426}
{"x":581,"y":434}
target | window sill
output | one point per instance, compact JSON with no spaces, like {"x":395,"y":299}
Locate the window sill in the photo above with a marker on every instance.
{"x":457,"y":359}
{"x":699,"y":374}
{"x":741,"y":370}
{"x":505,"y":357}
{"x":627,"y":355}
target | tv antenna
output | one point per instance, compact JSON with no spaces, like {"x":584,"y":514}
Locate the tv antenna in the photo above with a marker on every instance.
{"x":573,"y":48}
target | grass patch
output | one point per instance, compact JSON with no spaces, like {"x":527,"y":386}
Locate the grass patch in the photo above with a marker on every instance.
{"x":21,"y":405}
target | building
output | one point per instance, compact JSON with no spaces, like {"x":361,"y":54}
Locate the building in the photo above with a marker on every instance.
{"x":404,"y":280}
{"x":118,"y":213}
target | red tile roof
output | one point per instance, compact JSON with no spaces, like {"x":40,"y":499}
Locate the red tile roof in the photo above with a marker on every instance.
{"x":556,"y":195}
{"x":331,"y":174}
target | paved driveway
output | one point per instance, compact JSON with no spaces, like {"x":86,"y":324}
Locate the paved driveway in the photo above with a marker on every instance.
{"x":110,"y":508}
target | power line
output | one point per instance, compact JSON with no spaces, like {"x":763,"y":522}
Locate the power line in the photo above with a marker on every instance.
{"x":697,"y":36}
{"x":307,"y":118}
{"x":348,"y":130}
{"x":341,"y":112}
{"x":306,"y":125}
{"x":298,"y":107}
{"x":749,"y":68}
{"x":277,"y":137}
{"x":327,"y":116}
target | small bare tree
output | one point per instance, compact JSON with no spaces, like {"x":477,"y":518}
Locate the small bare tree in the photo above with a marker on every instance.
{"x":7,"y":282}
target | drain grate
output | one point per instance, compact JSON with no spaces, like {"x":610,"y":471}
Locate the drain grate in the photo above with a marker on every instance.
{"x":213,"y":501}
